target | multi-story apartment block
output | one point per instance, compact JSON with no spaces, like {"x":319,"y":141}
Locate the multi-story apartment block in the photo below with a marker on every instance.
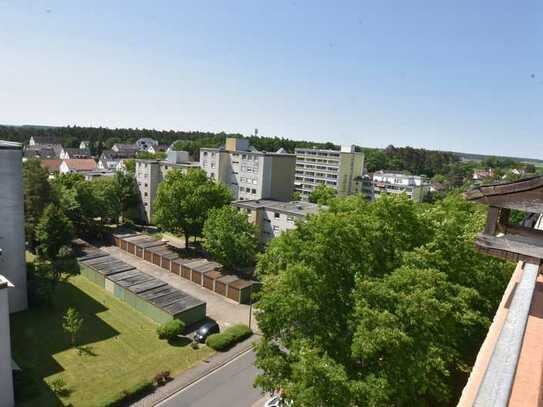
{"x":248,"y":173}
{"x":336,"y":169}
{"x":149,"y":174}
{"x":273,"y":217}
{"x":416,"y":187}
{"x":6,"y":374}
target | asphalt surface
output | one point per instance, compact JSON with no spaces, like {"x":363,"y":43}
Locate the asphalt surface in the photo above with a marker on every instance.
{"x":230,"y":385}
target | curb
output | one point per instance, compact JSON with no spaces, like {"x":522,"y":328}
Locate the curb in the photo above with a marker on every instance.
{"x":207,"y":373}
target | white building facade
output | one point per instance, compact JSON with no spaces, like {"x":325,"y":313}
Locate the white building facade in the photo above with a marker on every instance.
{"x":416,"y":187}
{"x":337,"y":169}
{"x":250,"y":174}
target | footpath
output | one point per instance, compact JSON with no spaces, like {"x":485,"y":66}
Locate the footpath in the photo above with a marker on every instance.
{"x":202,"y":369}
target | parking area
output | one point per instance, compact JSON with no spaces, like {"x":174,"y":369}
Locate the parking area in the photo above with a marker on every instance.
{"x":223,"y":310}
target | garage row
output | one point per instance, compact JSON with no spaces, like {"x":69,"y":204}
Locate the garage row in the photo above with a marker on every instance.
{"x":150,"y":296}
{"x":200,"y":271}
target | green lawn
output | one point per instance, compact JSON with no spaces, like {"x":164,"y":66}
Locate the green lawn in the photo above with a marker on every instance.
{"x":120,"y":345}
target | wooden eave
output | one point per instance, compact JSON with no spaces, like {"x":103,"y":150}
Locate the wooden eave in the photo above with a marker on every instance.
{"x":524,"y":195}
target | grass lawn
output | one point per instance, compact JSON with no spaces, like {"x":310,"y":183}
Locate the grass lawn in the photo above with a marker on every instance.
{"x":120,"y":347}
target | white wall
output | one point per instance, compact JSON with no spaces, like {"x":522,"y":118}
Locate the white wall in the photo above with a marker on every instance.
{"x":6,"y":378}
{"x":12,"y":237}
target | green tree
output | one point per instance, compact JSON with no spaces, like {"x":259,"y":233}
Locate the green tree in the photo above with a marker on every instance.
{"x":184,"y":200}
{"x":53,"y":232}
{"x":296,"y":196}
{"x":37,"y":195}
{"x":72,"y":322}
{"x":374,"y":304}
{"x":229,"y":237}
{"x":170,"y":330}
{"x":127,"y":192}
{"x":322,"y":195}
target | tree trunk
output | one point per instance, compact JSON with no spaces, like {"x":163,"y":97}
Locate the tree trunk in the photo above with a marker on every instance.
{"x":187,"y":237}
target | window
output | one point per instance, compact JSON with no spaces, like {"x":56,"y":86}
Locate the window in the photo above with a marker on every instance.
{"x":290,"y":219}
{"x":253,"y":191}
{"x":205,"y":153}
{"x":145,"y":184}
{"x":255,"y":181}
{"x":276,"y":215}
{"x":275,"y":228}
{"x":145,"y":194}
{"x":248,"y":211}
{"x":212,"y":165}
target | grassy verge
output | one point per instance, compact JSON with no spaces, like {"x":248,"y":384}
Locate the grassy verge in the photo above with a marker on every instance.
{"x":118,"y":348}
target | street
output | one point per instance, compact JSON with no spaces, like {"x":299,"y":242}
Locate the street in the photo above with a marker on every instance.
{"x":230,"y":385}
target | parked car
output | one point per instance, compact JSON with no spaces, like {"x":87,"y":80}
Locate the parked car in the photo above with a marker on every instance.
{"x":278,"y":401}
{"x":205,"y":330}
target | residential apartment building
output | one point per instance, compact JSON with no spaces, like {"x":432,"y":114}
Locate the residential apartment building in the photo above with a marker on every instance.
{"x":337,"y":169}
{"x":273,"y":217}
{"x":149,"y":174}
{"x":250,"y":174}
{"x":416,"y":187}
{"x":6,"y":374}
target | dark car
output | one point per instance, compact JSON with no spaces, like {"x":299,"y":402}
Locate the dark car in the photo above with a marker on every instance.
{"x":205,"y":330}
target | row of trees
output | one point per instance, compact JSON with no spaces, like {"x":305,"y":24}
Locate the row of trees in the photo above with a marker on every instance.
{"x":372,"y":304}
{"x":59,"y":209}
{"x":195,"y":206}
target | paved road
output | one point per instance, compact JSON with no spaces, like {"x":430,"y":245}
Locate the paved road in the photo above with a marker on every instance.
{"x":231,"y":385}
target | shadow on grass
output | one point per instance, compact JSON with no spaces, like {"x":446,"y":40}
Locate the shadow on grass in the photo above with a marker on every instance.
{"x":180,"y":341}
{"x":37,"y":335}
{"x":86,"y":351}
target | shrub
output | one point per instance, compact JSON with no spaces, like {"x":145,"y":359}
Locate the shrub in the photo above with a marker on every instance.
{"x":162,"y":378}
{"x":171,"y":329}
{"x":229,"y":337}
{"x":59,"y":387}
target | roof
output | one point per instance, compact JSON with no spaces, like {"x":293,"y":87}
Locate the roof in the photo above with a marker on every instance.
{"x":51,"y":165}
{"x":46,"y":139}
{"x":10,"y":145}
{"x":108,"y":265}
{"x":240,"y":284}
{"x":228,"y":279}
{"x":251,"y":151}
{"x":525,"y":195}
{"x":77,"y":151}
{"x":81,"y":164}
{"x":125,"y":148}
{"x":295,"y":208}
{"x":215,"y":274}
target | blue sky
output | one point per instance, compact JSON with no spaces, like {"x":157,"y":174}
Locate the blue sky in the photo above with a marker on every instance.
{"x":453,"y":75}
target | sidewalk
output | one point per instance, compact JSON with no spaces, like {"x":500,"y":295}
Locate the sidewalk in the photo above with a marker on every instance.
{"x":195,"y":373}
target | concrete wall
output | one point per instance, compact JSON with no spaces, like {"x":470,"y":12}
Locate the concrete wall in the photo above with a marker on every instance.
{"x":6,"y":378}
{"x":12,"y":237}
{"x":283,"y":169}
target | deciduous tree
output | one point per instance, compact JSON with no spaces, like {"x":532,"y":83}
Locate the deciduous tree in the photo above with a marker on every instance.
{"x":184,"y":200}
{"x":229,"y":237}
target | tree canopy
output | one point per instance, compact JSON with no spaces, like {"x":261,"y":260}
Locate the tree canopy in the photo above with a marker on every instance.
{"x":37,"y":195}
{"x":183,"y":202}
{"x":229,"y":237}
{"x":371,"y":304}
{"x":322,"y":194}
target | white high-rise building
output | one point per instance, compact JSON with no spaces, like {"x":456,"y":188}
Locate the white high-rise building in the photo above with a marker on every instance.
{"x":250,"y":174}
{"x":337,"y":169}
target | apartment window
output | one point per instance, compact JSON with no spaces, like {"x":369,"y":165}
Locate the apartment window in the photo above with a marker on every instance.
{"x":248,"y":190}
{"x":145,"y":185}
{"x":248,"y":211}
{"x":212,"y":165}
{"x":276,"y":215}
{"x":244,"y":157}
{"x":145,"y":194}
{"x":253,"y":191}
{"x":255,"y":181}
{"x":205,"y":153}
{"x":290,"y":219}
{"x":275,"y":228}
{"x":241,"y":189}
{"x":212,"y":154}
{"x":243,"y":168}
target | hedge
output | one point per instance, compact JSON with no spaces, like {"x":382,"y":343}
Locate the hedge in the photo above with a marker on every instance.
{"x":170,"y":329}
{"x":228,"y":337}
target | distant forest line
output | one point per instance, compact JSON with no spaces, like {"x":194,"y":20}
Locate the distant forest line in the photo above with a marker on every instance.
{"x":409,"y":159}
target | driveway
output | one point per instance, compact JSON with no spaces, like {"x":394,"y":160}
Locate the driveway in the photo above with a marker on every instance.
{"x":223,"y":310}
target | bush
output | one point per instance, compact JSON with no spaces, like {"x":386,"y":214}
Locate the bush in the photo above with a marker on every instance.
{"x":229,"y":337}
{"x":131,"y":394}
{"x":162,"y":378}
{"x":171,"y":329}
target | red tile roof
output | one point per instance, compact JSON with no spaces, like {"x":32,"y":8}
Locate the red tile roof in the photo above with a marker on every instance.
{"x":51,"y":165}
{"x":84,"y":164}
